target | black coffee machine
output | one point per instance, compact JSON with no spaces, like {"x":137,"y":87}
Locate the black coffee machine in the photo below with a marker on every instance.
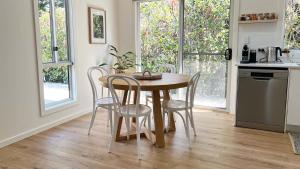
{"x":248,"y":56}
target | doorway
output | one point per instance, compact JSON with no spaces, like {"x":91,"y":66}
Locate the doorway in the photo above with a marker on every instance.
{"x":206,"y":38}
{"x":192,"y":35}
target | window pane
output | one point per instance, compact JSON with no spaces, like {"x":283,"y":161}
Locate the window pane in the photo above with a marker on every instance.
{"x":159,"y":32}
{"x":206,"y":37}
{"x":206,"y":26}
{"x":56,"y":84}
{"x":45,"y":30}
{"x":292,"y":19}
{"x":211,"y":90}
{"x":61,"y":30}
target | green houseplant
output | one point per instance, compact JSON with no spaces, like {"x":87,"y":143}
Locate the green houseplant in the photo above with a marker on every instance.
{"x":123,"y":61}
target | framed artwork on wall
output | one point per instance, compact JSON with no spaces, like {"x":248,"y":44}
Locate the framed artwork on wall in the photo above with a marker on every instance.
{"x":97,"y":25}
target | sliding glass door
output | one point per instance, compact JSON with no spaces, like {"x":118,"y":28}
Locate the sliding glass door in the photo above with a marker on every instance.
{"x":206,"y":38}
{"x":191,"y":34}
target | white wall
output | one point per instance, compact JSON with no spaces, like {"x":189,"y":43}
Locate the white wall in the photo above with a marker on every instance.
{"x":19,"y":97}
{"x":126,"y":22}
{"x":262,"y":34}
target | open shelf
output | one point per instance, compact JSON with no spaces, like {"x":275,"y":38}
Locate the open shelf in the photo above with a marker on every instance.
{"x":259,"y":21}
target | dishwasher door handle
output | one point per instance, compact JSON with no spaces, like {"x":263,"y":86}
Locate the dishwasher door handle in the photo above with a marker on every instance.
{"x":261,"y":78}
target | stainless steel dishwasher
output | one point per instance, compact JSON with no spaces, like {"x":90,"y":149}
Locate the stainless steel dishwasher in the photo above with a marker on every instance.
{"x":261,"y":98}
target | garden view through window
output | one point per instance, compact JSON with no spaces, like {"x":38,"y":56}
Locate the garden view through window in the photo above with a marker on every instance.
{"x":205,"y":38}
{"x":292,"y":30}
{"x":55,"y":53}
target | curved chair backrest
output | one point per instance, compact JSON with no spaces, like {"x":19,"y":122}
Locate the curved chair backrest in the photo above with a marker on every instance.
{"x":102,"y":72}
{"x":130,"y":82}
{"x":191,"y":90}
{"x":167,"y":68}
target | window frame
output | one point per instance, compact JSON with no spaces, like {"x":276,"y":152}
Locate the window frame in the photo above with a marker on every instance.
{"x":72,"y":100}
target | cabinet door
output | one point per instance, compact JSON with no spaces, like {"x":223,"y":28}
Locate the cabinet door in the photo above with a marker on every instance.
{"x":293,"y":116}
{"x":262,"y":101}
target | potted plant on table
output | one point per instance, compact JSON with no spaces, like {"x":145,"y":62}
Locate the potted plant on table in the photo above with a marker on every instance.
{"x":123,"y":62}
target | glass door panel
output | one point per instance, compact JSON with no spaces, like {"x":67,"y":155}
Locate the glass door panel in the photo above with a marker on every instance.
{"x":211,"y":91}
{"x":159,"y":33}
{"x":206,"y":37}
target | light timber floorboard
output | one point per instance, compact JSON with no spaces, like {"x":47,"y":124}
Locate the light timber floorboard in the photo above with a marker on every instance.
{"x":218,"y":145}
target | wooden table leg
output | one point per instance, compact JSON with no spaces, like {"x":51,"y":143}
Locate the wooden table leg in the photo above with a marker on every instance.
{"x":118,"y":133}
{"x":159,"y":130}
{"x":171,"y":120}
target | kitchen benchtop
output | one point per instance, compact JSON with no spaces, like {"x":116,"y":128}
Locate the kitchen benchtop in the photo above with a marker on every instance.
{"x":278,"y":65}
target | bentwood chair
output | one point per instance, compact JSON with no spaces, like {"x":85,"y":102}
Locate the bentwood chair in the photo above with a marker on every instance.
{"x":138,"y":111}
{"x":166,"y":68}
{"x":186,"y":105}
{"x":106,"y":102}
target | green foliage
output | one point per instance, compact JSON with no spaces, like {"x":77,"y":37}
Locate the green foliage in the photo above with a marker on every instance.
{"x":44,"y":4}
{"x":206,"y":30}
{"x":159,"y":33}
{"x":206,"y":26}
{"x":45,"y":36}
{"x":55,"y":74}
{"x":292,"y":22}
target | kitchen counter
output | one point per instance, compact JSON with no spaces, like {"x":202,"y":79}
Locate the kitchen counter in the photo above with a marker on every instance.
{"x":277,"y":65}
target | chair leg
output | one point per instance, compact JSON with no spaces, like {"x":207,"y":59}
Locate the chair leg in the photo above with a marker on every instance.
{"x":114,"y":131}
{"x":149,"y":126}
{"x":146,"y":101}
{"x":93,"y":119}
{"x":163,"y":120}
{"x":168,"y":127}
{"x":192,"y":121}
{"x":187,"y":127}
{"x":127,"y":121}
{"x":165,"y":125}
{"x":138,"y":136}
{"x":107,"y":121}
{"x":110,"y":119}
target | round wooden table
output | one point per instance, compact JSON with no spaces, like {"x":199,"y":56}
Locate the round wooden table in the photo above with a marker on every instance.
{"x":169,"y":81}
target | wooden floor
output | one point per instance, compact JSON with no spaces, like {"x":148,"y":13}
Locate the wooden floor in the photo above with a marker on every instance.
{"x":218,"y":145}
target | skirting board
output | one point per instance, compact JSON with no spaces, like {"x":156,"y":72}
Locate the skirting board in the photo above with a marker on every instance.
{"x":42,"y":128}
{"x":293,"y":128}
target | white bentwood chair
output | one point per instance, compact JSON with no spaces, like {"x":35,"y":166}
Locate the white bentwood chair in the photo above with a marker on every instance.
{"x":184,"y":105}
{"x":102,"y":101}
{"x":138,"y":111}
{"x":167,"y":68}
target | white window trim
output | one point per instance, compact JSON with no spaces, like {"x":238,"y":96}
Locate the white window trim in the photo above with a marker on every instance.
{"x":72,"y":101}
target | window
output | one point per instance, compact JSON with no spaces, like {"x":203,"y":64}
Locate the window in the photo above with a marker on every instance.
{"x":55,"y":52}
{"x":292,"y":25}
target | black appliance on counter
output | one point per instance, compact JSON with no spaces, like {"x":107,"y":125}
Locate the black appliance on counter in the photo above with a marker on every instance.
{"x":252,"y":58}
{"x":245,"y":54}
{"x":248,"y":56}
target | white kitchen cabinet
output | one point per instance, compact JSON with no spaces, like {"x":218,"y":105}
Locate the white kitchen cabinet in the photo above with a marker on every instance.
{"x":293,"y":102}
